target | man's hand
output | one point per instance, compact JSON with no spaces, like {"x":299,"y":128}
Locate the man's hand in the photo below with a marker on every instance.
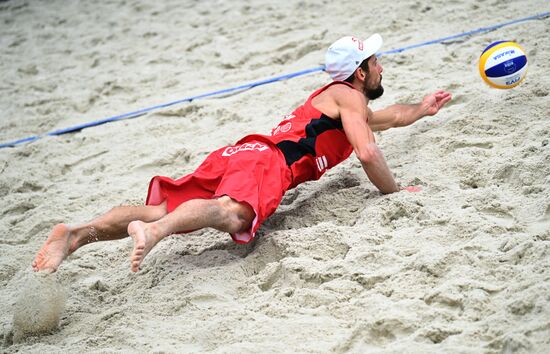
{"x":431,"y":104}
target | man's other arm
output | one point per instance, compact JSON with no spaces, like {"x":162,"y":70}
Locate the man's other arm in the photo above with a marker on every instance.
{"x":401,"y":115}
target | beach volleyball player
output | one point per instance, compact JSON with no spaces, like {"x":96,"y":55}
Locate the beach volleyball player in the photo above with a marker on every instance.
{"x":237,"y":187}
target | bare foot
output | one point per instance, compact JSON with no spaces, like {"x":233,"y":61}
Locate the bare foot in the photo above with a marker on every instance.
{"x":56,"y":248}
{"x":144,"y":241}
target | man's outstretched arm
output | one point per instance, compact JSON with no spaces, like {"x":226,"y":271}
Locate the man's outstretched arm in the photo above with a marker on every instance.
{"x":401,"y":115}
{"x":353,"y":113}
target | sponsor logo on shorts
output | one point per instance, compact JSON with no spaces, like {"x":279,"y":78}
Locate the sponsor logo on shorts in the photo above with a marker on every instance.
{"x":322,"y":163}
{"x":232,"y":150}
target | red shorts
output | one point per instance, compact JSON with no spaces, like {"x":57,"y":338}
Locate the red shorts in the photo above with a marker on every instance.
{"x":252,"y":172}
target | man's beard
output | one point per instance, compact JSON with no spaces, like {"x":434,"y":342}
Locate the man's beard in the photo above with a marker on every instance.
{"x":374,"y":93}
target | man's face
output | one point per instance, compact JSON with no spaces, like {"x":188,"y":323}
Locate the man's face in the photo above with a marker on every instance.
{"x":373,"y":81}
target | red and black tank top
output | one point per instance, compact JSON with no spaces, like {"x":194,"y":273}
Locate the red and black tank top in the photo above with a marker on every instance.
{"x":310,"y":141}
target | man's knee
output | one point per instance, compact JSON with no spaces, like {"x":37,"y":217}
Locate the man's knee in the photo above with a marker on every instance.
{"x":237,"y":216}
{"x":160,"y":210}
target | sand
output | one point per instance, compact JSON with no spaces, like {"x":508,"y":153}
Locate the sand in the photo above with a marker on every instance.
{"x":461,"y":267}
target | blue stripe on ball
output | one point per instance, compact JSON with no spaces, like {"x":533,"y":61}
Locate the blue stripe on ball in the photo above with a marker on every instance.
{"x":492,"y":45}
{"x":507,"y":68}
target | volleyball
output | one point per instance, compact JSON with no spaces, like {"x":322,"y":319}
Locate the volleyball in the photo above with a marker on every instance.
{"x":503,"y":64}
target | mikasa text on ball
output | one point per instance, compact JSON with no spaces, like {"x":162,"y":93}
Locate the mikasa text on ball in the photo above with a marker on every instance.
{"x":503,"y":64}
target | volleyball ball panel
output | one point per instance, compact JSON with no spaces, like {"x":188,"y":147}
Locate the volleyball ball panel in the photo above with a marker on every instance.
{"x":503,"y":64}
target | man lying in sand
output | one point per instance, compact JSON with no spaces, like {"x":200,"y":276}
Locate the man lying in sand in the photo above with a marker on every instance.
{"x":238,"y":187}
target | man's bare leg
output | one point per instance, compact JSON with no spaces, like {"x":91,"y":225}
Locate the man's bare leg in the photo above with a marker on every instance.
{"x":64,"y":240}
{"x":223,"y":214}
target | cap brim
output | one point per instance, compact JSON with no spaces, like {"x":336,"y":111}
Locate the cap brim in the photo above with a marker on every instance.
{"x":372,"y":45}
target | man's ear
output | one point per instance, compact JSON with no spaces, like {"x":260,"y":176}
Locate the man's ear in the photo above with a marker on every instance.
{"x":360,"y":74}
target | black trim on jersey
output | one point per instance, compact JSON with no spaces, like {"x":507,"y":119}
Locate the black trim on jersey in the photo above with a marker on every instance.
{"x":294,"y":151}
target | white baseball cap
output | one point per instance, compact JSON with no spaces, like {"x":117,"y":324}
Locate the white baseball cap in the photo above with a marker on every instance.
{"x":345,"y":55}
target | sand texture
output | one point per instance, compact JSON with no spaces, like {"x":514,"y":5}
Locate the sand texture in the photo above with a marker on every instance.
{"x":461,"y":267}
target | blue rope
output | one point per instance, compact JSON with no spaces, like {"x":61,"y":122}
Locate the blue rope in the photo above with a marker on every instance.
{"x":143,"y":111}
{"x":465,"y":34}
